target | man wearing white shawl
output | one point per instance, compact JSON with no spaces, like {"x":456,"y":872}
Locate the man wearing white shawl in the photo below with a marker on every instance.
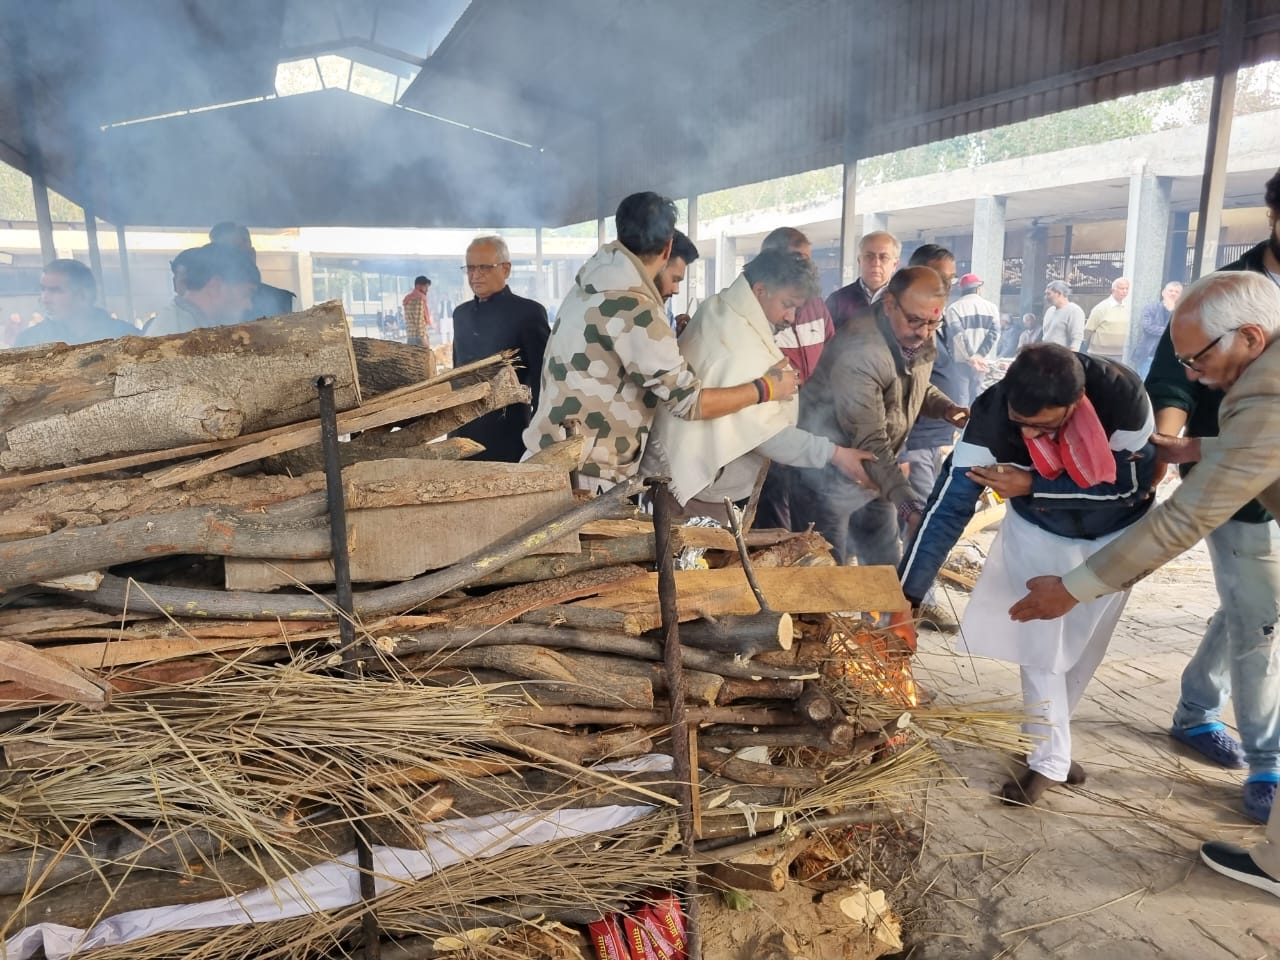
{"x":730,"y":338}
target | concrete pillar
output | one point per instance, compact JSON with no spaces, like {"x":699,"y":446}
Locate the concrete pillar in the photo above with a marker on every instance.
{"x":868,"y":223}
{"x":1035,"y":257}
{"x":305,"y":279}
{"x":1179,"y":229}
{"x":848,"y":225}
{"x":1221,"y":110}
{"x":726,"y":262}
{"x":602,"y":236}
{"x":125,"y":279}
{"x":1146,"y":241}
{"x":95,"y":254}
{"x":987,"y":259}
{"x":539,"y":281}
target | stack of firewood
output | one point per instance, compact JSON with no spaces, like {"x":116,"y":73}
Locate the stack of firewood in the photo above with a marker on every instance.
{"x":142,"y":588}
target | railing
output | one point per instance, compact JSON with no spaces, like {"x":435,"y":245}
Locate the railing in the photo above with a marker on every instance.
{"x":1092,"y":273}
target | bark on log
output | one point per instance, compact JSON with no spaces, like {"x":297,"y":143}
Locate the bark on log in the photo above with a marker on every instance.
{"x":502,"y":388}
{"x":599,"y":686}
{"x":68,"y":404}
{"x":588,"y":618}
{"x":735,"y":689}
{"x":761,"y":774}
{"x":595,"y":554}
{"x":386,"y":365}
{"x":580,"y":748}
{"x":588,"y":716}
{"x":743,"y":636}
{"x":816,"y":704}
{"x":115,"y":593}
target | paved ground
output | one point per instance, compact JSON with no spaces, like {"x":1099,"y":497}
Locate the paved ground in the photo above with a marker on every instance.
{"x":1108,"y":870}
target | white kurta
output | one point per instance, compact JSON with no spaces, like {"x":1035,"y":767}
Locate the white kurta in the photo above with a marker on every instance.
{"x":1021,"y":551}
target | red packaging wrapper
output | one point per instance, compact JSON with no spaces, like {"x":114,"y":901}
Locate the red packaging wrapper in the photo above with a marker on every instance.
{"x":669,"y":915}
{"x":606,"y":937}
{"x":667,"y":945}
{"x":639,"y":943}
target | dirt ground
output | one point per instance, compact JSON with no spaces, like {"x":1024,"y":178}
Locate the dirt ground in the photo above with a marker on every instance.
{"x":1110,"y":869}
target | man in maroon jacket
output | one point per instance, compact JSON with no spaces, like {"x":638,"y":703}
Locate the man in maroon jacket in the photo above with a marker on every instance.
{"x":878,"y":256}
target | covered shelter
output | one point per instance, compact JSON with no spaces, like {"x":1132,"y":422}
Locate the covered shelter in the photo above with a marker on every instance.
{"x":513,"y":114}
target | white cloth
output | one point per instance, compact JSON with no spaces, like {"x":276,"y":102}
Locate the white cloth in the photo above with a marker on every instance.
{"x":728,"y":342}
{"x":328,"y":886}
{"x":1021,"y":551}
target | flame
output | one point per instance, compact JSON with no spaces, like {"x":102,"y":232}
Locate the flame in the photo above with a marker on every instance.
{"x":875,"y":663}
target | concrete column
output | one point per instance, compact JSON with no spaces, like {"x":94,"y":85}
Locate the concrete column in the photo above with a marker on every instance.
{"x":987,"y":260}
{"x":539,"y":281}
{"x":848,"y":225}
{"x":601,"y":235}
{"x":303,"y":271}
{"x":868,"y":223}
{"x":1146,"y":241}
{"x":1035,"y":257}
{"x":1179,"y":229}
{"x":1221,"y":110}
{"x":126,"y":280}
{"x":726,"y":262}
{"x":95,"y":254}
{"x":692,"y":232}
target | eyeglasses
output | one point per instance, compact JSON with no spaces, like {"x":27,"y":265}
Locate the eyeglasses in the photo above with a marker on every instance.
{"x":877,"y":257}
{"x":1190,"y":362}
{"x":481,"y":268}
{"x":1043,"y":428}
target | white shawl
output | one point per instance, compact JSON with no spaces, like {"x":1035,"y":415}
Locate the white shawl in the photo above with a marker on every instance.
{"x":728,"y":342}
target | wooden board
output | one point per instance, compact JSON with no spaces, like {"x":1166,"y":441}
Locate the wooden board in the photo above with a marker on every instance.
{"x":983,"y":519}
{"x":791,"y":589}
{"x":397,"y":543}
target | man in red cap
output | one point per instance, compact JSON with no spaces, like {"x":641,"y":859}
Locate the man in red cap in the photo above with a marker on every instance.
{"x":977,"y":321}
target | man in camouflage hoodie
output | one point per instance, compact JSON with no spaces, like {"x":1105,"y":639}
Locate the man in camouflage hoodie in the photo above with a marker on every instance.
{"x":612,"y":357}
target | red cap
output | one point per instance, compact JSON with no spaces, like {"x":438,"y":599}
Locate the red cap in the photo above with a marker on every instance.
{"x":971,"y":280}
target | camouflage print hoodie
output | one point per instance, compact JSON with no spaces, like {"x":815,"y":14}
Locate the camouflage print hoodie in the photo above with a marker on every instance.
{"x":611,"y":360}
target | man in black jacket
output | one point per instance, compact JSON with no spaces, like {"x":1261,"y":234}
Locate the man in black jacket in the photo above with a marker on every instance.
{"x":498,"y":320}
{"x":1240,"y":652}
{"x":1063,"y":437}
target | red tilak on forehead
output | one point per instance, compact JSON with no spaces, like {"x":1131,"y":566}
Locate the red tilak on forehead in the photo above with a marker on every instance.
{"x":936,"y":311}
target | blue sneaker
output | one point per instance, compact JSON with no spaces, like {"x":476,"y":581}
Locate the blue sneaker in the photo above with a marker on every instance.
{"x":1260,"y":794}
{"x":1212,"y":741}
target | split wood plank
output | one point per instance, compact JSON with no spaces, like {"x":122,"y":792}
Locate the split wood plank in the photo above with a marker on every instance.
{"x":301,"y":435}
{"x":48,"y":675}
{"x":984,"y":519}
{"x":793,"y":589}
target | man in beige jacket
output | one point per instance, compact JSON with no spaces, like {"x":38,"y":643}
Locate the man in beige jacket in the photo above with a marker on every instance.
{"x":1224,"y":330}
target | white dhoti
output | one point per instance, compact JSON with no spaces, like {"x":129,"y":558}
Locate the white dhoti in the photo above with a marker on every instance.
{"x":1058,"y":657}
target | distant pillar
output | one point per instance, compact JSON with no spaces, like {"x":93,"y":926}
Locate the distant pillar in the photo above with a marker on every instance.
{"x":848,"y":225}
{"x":539,"y":281}
{"x":868,"y":223}
{"x":1146,"y":242}
{"x":1179,"y":231}
{"x":306,"y":287}
{"x":726,"y":262}
{"x":987,"y":260}
{"x":125,"y":279}
{"x":1221,"y":108}
{"x":601,"y":236}
{"x":95,"y":253}
{"x":690,"y":291}
{"x":1035,"y":257}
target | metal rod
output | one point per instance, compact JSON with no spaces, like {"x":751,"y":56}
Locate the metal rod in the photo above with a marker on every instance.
{"x":682,"y":757}
{"x":351,"y":664}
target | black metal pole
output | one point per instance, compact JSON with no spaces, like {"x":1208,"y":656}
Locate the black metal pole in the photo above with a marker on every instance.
{"x":351,"y":665}
{"x":681,"y":755}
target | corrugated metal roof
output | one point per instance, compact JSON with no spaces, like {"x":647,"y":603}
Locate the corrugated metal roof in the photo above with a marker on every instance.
{"x":549,"y":112}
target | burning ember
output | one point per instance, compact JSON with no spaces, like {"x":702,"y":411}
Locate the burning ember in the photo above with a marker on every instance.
{"x":872,"y":663}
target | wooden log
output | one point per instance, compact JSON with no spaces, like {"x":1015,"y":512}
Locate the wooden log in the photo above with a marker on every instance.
{"x":764,"y":869}
{"x":575,"y":617}
{"x":593,"y":555}
{"x":308,"y":433}
{"x":564,"y":455}
{"x":734,"y":689}
{"x":742,"y":636}
{"x":385,"y":365}
{"x":841,"y":739}
{"x":599,"y":686}
{"x":587,"y":716}
{"x":65,"y":404}
{"x":816,"y":705}
{"x":761,"y":774}
{"x":218,"y":531}
{"x":580,"y":748}
{"x":475,"y":396}
{"x":119,"y":594}
{"x":794,"y":589}
{"x":510,"y":602}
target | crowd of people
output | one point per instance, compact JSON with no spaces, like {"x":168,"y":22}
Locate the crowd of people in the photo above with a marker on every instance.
{"x":873,"y":416}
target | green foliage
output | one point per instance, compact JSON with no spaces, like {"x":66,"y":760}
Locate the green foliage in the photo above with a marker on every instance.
{"x":18,"y":203}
